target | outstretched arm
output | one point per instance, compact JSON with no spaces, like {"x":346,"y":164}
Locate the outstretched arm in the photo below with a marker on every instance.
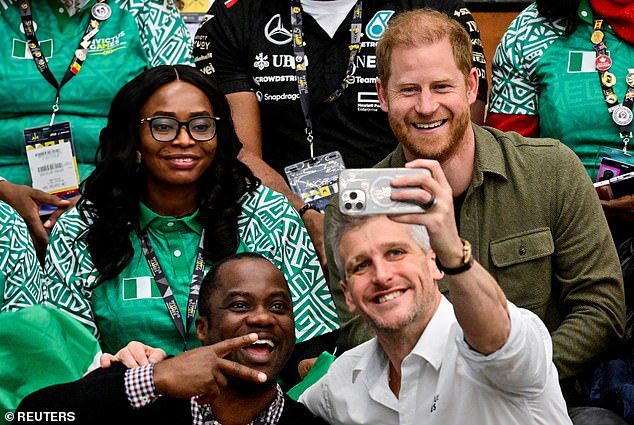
{"x":479,"y":303}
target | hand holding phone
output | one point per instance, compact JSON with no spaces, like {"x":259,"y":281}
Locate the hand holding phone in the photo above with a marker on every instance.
{"x":616,"y":187}
{"x":368,"y":191}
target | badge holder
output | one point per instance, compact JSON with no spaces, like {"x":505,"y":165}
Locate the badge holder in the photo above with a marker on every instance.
{"x":51,"y":156}
{"x":315,"y":180}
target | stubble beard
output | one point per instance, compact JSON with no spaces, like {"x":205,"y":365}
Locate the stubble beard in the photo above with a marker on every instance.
{"x":384,"y":327}
{"x":432,"y":147}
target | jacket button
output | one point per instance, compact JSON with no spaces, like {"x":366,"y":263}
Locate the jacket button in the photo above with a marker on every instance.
{"x":522,"y":251}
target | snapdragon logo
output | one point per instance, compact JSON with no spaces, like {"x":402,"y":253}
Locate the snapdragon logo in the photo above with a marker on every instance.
{"x":377,"y":25}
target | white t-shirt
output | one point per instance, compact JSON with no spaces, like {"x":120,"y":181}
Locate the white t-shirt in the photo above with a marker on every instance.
{"x":328,"y":14}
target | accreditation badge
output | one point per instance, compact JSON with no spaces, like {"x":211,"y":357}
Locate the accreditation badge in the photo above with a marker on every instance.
{"x":52,"y":162}
{"x":315,"y":180}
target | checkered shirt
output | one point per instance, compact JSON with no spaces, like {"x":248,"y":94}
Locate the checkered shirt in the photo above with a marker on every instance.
{"x":139,"y":388}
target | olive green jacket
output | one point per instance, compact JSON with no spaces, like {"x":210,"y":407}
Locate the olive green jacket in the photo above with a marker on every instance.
{"x":536,"y":224}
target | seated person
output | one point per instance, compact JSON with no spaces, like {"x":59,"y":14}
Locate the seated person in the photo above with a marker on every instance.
{"x":168,"y":199}
{"x":20,"y":271}
{"x":526,"y":205}
{"x":247,"y":328}
{"x":478,"y":360}
{"x":132,"y":36}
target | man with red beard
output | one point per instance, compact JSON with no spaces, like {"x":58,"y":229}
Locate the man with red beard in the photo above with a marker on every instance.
{"x":247,"y":328}
{"x":526,"y":205}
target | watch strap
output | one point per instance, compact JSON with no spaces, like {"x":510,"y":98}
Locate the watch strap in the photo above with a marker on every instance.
{"x":467,"y":261}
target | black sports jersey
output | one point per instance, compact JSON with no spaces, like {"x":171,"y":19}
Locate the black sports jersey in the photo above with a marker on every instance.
{"x":246,"y":45}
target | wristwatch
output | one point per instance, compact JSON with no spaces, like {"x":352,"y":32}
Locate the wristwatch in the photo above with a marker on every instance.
{"x":467,"y":261}
{"x":307,"y":207}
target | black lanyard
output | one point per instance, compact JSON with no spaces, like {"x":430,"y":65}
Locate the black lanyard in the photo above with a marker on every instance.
{"x":621,"y":112}
{"x":166,"y":290}
{"x":100,"y":12}
{"x":301,"y":63}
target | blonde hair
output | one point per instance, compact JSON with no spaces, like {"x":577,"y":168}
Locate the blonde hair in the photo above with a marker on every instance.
{"x":422,"y":27}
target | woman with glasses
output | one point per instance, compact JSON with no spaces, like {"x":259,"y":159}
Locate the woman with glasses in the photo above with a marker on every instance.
{"x":168,"y":199}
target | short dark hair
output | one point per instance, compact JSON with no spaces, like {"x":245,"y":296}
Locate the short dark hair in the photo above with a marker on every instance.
{"x":560,"y":9}
{"x":211,"y":282}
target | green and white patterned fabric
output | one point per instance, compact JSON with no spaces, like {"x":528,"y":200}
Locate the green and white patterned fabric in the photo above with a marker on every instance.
{"x":538,"y":71}
{"x":139,"y":34}
{"x":130,"y":308}
{"x":21,"y":272}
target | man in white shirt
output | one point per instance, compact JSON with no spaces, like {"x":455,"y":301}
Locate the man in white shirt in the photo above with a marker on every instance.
{"x":480,"y":361}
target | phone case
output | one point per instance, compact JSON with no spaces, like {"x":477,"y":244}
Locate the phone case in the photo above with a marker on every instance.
{"x":367,"y":191}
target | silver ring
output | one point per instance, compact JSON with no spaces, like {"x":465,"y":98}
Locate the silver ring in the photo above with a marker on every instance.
{"x":429,"y":204}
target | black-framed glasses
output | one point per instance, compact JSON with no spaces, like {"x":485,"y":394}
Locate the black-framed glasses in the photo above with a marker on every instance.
{"x":166,"y":129}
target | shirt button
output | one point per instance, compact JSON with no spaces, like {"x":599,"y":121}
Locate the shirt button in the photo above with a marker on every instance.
{"x":61,"y":10}
{"x":584,"y":13}
{"x":170,"y":224}
{"x":522,"y":251}
{"x":177,"y":253}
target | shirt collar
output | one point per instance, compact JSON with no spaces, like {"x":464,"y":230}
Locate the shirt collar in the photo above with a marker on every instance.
{"x":270,"y":416}
{"x":148,"y":218}
{"x":431,"y":346}
{"x":488,"y":156}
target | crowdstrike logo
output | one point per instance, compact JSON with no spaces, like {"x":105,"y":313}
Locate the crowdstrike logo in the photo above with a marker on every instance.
{"x":275,"y":32}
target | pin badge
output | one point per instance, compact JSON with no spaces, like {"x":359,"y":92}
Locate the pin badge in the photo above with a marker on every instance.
{"x":603,"y":62}
{"x":611,"y":98}
{"x":101,"y":11}
{"x":597,"y":37}
{"x":608,"y":79}
{"x":80,"y":54}
{"x":629,"y":79}
{"x":622,"y":115}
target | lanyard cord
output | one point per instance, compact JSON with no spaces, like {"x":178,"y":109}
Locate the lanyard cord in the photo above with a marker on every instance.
{"x":621,"y":112}
{"x":166,"y":290}
{"x":100,"y":12}
{"x":301,"y":62}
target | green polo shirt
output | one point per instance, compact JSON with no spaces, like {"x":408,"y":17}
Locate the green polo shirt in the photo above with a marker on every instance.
{"x":117,"y":303}
{"x":138,"y":35}
{"x":130,"y":307}
{"x":535,"y":223}
{"x":539,"y":70}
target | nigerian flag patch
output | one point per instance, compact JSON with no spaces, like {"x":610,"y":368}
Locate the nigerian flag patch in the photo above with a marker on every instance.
{"x":143,"y":287}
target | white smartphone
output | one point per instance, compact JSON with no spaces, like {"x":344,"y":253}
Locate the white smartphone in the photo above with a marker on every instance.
{"x":368,"y":191}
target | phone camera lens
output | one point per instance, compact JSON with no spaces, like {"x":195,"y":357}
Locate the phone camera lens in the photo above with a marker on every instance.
{"x":353,"y":195}
{"x":359,"y":206}
{"x":347,"y":206}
